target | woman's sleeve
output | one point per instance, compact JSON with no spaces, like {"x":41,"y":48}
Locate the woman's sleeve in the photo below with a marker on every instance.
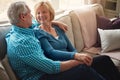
{"x":50,"y":52}
{"x":70,"y":47}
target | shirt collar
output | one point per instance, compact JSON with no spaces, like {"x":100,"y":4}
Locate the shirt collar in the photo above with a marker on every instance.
{"x":28,"y":31}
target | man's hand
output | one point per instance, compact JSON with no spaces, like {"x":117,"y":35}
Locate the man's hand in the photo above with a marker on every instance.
{"x":61,"y":25}
{"x":85,"y":58}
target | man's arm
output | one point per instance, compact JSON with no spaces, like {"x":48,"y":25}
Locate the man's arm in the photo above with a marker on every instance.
{"x":33,"y":55}
{"x":66,"y":65}
{"x":61,"y":25}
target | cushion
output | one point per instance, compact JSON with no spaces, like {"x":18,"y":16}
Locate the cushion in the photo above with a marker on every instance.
{"x":105,"y":23}
{"x":109,"y":39}
{"x":113,"y":54}
{"x":67,"y":20}
{"x":3,"y":48}
{"x":93,"y":50}
{"x":102,"y":23}
{"x":98,"y":8}
{"x":79,"y":44}
{"x":87,"y":18}
{"x":3,"y":74}
{"x":8,"y":69}
{"x":115,"y":24}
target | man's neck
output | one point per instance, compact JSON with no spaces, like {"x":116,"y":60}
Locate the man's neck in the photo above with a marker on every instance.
{"x":22,"y":25}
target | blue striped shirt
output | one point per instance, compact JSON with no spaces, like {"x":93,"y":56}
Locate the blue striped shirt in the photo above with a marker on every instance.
{"x":26,"y":56}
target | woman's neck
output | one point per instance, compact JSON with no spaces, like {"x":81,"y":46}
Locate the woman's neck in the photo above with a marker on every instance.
{"x":47,"y":27}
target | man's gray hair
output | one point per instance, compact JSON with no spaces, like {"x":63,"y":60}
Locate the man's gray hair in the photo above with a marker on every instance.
{"x":15,"y":10}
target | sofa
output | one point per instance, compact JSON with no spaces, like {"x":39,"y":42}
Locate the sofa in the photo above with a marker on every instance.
{"x":83,"y":31}
{"x":77,"y":21}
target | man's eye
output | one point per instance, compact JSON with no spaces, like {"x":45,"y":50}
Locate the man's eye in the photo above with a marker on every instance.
{"x":38,"y":13}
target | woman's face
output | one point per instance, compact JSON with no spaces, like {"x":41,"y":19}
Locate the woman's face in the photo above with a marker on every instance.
{"x":43,"y":15}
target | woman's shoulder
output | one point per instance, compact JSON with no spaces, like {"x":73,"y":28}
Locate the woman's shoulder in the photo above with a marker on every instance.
{"x":39,"y":33}
{"x":58,"y":28}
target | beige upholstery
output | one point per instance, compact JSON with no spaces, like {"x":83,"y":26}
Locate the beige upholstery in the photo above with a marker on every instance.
{"x":98,"y":9}
{"x":75,"y":30}
{"x":6,"y":73}
{"x":8,"y":69}
{"x":74,"y":26}
{"x":3,"y":74}
{"x":66,"y":19}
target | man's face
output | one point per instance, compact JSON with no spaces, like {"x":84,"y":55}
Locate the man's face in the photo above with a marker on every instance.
{"x":28,"y":18}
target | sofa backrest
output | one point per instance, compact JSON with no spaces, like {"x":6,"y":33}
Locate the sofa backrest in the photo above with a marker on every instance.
{"x":3,"y":74}
{"x":74,"y":25}
{"x":3,"y":47}
{"x":66,"y":19}
{"x":98,"y":9}
{"x":78,"y":38}
{"x":8,"y":69}
{"x":3,"y":51}
{"x":88,"y":23}
{"x":6,"y":72}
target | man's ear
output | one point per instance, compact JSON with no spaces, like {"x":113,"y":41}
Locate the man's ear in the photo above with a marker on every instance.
{"x":21,"y":16}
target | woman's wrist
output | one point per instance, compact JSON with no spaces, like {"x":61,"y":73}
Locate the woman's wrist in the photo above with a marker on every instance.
{"x":76,"y":56}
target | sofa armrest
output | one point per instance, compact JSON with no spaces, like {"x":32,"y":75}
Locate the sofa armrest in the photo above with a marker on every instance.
{"x":8,"y":69}
{"x":3,"y":74}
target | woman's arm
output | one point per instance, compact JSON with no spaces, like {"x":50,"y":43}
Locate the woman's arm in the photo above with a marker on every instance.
{"x":55,"y":54}
{"x":70,"y":47}
{"x":85,"y":58}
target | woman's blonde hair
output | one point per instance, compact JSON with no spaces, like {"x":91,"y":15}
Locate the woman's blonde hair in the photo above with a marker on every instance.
{"x":49,"y":7}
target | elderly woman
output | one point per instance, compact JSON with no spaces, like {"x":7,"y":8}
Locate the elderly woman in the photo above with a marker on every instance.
{"x":57,"y":46}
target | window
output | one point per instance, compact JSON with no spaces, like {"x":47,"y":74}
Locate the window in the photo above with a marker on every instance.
{"x":57,"y":5}
{"x":70,"y":4}
{"x":4,"y":4}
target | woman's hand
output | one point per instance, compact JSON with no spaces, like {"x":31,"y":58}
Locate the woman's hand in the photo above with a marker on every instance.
{"x":61,"y":25}
{"x":85,"y":58}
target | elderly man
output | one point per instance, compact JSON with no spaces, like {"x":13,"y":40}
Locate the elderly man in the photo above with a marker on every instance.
{"x":27,"y":58}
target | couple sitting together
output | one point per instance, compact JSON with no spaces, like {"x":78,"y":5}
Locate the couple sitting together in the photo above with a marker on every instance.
{"x":42,"y":51}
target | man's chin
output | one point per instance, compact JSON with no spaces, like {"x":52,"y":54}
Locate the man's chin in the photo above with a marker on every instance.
{"x":43,"y":23}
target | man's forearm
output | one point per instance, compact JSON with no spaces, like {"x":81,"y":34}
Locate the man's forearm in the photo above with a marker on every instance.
{"x":66,"y":65}
{"x":60,"y":25}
